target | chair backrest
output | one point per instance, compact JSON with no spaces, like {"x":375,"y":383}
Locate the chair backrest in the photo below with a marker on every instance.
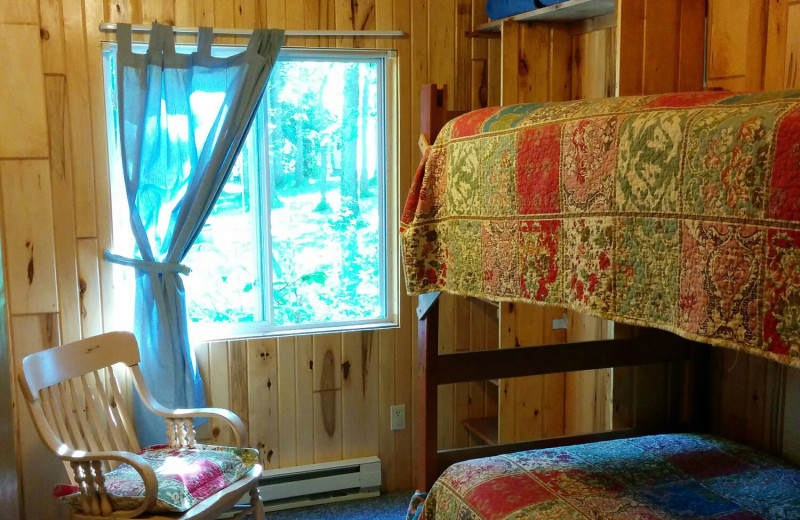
{"x":74,"y":394}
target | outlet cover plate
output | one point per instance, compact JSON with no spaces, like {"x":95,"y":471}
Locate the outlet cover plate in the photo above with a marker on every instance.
{"x":398,"y":417}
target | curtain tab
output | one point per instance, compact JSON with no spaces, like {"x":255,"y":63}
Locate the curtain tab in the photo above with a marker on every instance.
{"x":146,"y":265}
{"x":205,"y":38}
{"x":124,"y":38}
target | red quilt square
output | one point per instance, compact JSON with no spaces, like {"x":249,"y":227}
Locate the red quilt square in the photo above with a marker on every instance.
{"x":784,"y":193}
{"x":708,"y":464}
{"x":472,"y":122}
{"x":719,"y":281}
{"x":539,"y":259}
{"x":538,"y":155}
{"x":499,"y":497}
{"x":588,"y":162}
{"x":687,"y":99}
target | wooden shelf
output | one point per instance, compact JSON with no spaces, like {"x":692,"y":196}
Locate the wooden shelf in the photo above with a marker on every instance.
{"x":484,"y":428}
{"x":569,"y":11}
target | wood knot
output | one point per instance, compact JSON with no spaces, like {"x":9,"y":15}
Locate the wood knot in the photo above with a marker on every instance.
{"x":82,"y":286}
{"x":44,"y":34}
{"x":264,"y":355}
{"x":346,"y":369}
{"x":269,"y":384}
{"x":311,"y":365}
{"x":28,"y":244}
{"x":270,"y":453}
{"x":535,"y":413}
{"x":215,"y":432}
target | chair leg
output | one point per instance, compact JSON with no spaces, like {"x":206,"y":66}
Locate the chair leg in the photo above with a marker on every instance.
{"x":256,"y":503}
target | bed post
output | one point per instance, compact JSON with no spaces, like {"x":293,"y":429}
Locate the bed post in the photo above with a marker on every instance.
{"x":433,"y":111}
{"x":427,"y":388}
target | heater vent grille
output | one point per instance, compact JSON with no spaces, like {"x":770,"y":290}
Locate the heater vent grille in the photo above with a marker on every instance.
{"x":302,"y":486}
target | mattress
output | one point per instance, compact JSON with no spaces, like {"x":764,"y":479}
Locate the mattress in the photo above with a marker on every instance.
{"x":677,"y":211}
{"x":646,"y":478}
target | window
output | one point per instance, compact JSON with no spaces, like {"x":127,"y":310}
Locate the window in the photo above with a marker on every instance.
{"x":298,"y":238}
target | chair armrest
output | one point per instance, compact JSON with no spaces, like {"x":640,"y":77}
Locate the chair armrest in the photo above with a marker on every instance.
{"x":236,"y":424}
{"x":137,"y":462}
{"x":233,"y":420}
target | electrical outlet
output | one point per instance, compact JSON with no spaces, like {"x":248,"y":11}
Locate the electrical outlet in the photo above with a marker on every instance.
{"x":398,"y":414}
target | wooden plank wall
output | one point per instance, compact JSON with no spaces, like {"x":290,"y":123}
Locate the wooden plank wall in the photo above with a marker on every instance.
{"x":554,"y":63}
{"x":56,"y":223}
{"x":659,"y":46}
{"x":755,"y":45}
{"x":56,"y":210}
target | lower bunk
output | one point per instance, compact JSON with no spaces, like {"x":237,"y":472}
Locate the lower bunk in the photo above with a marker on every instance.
{"x":672,"y":470}
{"x":650,"y":477}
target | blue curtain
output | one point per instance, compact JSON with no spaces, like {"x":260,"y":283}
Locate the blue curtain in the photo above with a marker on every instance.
{"x":182,"y":120}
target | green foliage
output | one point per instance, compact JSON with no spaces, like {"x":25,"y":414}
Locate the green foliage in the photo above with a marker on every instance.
{"x":320,"y":125}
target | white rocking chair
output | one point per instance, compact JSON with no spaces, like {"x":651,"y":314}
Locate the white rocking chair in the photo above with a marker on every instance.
{"x":83,"y":421}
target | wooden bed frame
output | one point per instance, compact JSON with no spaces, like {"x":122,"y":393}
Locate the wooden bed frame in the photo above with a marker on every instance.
{"x":651,"y":346}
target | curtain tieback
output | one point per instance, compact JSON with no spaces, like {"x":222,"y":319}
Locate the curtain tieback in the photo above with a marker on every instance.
{"x":146,"y":265}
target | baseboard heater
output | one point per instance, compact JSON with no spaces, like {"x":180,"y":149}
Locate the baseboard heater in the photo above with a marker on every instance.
{"x":301,"y":486}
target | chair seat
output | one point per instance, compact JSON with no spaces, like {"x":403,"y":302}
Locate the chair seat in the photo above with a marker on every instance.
{"x":186,"y":477}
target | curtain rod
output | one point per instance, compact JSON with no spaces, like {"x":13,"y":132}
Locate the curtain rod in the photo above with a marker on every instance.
{"x":112,"y":27}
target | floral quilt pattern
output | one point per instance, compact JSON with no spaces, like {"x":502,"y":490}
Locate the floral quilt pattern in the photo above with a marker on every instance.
{"x":679,"y":211}
{"x":185,"y":477}
{"x":660,"y":477}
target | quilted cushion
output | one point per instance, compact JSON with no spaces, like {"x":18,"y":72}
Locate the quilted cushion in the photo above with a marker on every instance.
{"x":185,"y":477}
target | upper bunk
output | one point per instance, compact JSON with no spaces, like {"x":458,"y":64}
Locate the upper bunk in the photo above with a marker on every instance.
{"x":675,"y":211}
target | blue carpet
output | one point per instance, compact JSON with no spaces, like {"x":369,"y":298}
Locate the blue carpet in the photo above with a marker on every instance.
{"x":390,"y":506}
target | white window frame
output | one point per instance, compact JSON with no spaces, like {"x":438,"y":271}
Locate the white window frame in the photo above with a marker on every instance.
{"x":387,"y":189}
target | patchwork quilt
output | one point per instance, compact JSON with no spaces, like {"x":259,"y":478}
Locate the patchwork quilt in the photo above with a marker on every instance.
{"x":678,"y":211}
{"x":647,"y":478}
{"x":185,"y":476}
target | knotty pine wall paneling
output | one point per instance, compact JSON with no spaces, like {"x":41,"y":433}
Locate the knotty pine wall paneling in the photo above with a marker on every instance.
{"x":22,"y":90}
{"x":68,"y":129}
{"x":660,"y":57}
{"x":56,"y":214}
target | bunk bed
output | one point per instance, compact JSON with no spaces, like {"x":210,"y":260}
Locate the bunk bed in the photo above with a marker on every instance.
{"x":676,"y":213}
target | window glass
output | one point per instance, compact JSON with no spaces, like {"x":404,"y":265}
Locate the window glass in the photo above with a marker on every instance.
{"x":297,"y":238}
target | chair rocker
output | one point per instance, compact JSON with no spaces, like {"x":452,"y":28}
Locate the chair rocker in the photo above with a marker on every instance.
{"x":75,"y":400}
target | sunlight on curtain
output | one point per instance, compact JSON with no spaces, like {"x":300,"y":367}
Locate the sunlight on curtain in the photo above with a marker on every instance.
{"x":182,"y":120}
